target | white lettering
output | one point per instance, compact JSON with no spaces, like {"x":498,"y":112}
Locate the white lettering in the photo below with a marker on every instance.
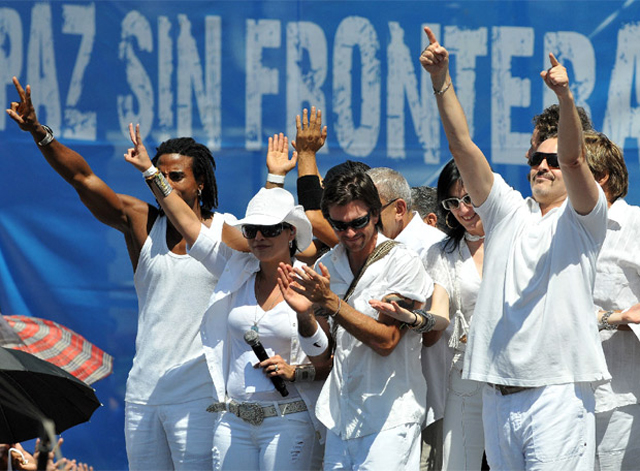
{"x":207,"y":91}
{"x":136,"y":27}
{"x":165,"y":74}
{"x":621,"y":121}
{"x":260,"y":80}
{"x":507,"y":91}
{"x":10,"y":57}
{"x":79,"y":20}
{"x":357,"y":32}
{"x":306,"y":71}
{"x":41,"y":67}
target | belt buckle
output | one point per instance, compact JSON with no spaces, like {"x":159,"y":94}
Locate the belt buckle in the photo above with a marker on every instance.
{"x":251,"y":412}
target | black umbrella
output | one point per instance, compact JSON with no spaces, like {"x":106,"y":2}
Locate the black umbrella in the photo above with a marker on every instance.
{"x":32,"y":390}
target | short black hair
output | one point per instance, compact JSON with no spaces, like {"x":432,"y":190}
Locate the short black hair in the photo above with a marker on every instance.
{"x":547,"y":122}
{"x":203,"y":166}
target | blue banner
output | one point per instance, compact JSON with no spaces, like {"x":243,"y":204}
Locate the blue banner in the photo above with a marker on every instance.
{"x":231,"y":74}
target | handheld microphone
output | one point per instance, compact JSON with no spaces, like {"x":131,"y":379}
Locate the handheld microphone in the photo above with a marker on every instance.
{"x":253,"y":339}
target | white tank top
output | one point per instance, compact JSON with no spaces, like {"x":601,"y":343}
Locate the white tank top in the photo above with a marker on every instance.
{"x":173,"y":293}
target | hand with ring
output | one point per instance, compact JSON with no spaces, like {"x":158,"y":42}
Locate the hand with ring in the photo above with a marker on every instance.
{"x":276,"y":366}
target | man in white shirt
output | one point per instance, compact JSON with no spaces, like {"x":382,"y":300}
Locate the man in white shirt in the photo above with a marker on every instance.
{"x":533,"y":341}
{"x":373,"y":403}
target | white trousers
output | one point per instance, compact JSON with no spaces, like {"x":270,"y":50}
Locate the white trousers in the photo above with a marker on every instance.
{"x":395,"y":449}
{"x":166,"y":437}
{"x":618,"y":439}
{"x":548,"y":428}
{"x":281,"y":443}
{"x":463,"y":445}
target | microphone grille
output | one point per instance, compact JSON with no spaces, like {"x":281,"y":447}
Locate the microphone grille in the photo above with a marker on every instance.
{"x":251,"y":337}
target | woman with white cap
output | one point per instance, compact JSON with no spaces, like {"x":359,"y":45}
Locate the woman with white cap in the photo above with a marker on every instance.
{"x":257,"y":426}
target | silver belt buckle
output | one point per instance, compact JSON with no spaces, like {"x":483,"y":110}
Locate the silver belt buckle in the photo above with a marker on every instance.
{"x":251,"y":412}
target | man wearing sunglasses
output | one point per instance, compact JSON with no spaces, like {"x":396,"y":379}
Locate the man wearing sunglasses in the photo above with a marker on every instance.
{"x":534,"y":337}
{"x":373,"y":402}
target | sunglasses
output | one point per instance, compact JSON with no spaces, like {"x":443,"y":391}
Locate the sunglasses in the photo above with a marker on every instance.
{"x":249,"y":231}
{"x":454,"y":203}
{"x":537,"y":158}
{"x":355,"y":224}
{"x":385,"y":206}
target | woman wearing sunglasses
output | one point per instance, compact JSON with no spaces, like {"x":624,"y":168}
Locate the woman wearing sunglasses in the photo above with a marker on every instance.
{"x":265,"y":409}
{"x":456,"y":265}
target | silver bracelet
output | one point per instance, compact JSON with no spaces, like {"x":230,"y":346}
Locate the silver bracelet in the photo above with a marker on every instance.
{"x":305,"y":373}
{"x":48,"y":138}
{"x":337,"y":310}
{"x":428,"y":321}
{"x":441,"y":92}
{"x":160,"y":183}
{"x":604,"y":321}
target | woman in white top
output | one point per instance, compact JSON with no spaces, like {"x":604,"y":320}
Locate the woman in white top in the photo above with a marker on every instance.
{"x":456,"y":265}
{"x":265,"y":408}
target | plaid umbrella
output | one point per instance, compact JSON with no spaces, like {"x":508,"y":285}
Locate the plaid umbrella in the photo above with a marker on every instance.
{"x":59,"y":345}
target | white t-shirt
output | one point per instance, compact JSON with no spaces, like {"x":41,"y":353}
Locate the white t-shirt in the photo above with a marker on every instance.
{"x":366,"y":392}
{"x":618,"y":287}
{"x":534,"y":322}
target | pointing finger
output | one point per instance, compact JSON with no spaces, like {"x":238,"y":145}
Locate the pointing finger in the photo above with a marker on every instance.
{"x":430,"y":35}
{"x":553,"y":60}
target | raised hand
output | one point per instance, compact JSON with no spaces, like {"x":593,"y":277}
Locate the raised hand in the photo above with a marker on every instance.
{"x":435,"y":58}
{"x":310,"y":135}
{"x":23,"y":112}
{"x":278,"y":162}
{"x":556,"y":77}
{"x":137,"y":155}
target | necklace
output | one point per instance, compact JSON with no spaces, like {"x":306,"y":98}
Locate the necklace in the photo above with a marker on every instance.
{"x":266,"y":309}
{"x":472,"y":238}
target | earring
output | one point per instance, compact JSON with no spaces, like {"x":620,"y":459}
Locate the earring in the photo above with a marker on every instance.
{"x":446,"y":221}
{"x":199,"y":192}
{"x":290,"y":244}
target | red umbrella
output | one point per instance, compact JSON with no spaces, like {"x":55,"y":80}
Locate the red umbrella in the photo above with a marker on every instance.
{"x":61,"y":346}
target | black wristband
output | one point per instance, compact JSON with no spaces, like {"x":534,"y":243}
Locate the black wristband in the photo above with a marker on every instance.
{"x":309,"y":192}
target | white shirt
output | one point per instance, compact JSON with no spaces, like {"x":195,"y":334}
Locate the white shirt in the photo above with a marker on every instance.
{"x":534,"y":323}
{"x":618,"y":287}
{"x":365,"y":392}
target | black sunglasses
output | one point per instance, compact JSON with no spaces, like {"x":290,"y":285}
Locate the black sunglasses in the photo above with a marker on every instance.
{"x":249,"y":231}
{"x":454,"y":203}
{"x":359,"y":223}
{"x":537,"y":158}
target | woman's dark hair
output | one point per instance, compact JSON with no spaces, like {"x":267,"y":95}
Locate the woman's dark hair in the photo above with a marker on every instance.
{"x":350,"y":186}
{"x":449,"y":176}
{"x":293,"y":248}
{"x":203,"y":167}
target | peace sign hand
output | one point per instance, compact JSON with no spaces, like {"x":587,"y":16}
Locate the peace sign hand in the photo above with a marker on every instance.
{"x":23,"y":112}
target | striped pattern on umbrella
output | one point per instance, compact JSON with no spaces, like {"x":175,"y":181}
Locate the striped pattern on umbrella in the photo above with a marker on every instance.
{"x":61,"y":346}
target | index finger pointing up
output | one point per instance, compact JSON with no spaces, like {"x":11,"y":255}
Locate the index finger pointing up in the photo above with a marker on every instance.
{"x":430,"y":35}
{"x":553,"y":60}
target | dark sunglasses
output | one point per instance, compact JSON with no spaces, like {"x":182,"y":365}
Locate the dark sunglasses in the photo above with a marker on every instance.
{"x":249,"y":231}
{"x":355,"y":224}
{"x":537,"y":158}
{"x":454,"y":203}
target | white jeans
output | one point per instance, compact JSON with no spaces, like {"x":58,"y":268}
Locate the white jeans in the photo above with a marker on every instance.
{"x":463,"y":432}
{"x":175,"y":436}
{"x":618,"y":439}
{"x":395,"y":449}
{"x":287,"y":442}
{"x":546,"y":428}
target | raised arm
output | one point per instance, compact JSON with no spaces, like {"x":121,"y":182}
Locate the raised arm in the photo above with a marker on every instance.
{"x":582,"y":188}
{"x":177,"y":210}
{"x":278,"y":161}
{"x":473,"y":166}
{"x":121,"y":212}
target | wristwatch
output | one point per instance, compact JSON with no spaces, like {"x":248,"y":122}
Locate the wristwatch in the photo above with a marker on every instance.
{"x":48,"y":138}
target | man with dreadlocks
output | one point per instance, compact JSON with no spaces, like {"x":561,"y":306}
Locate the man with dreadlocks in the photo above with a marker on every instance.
{"x":169,"y":387}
